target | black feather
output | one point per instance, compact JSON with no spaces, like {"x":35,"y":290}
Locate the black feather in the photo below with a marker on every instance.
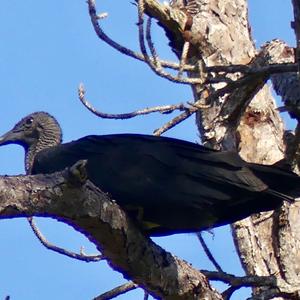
{"x":179,"y":186}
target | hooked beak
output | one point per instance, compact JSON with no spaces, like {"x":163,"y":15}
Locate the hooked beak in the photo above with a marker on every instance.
{"x":10,"y":137}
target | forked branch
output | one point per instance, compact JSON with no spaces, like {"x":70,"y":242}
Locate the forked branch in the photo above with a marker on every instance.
{"x":154,"y":62}
{"x":164,"y":109}
{"x":82,"y":256}
{"x":104,"y":37}
{"x":120,"y":290}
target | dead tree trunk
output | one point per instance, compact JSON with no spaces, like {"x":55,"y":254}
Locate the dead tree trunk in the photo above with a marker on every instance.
{"x":243,"y":118}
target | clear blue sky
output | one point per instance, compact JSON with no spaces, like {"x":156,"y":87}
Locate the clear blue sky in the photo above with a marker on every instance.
{"x":47,"y":48}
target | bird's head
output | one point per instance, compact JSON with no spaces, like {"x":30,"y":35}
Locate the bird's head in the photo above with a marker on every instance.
{"x":35,"y":132}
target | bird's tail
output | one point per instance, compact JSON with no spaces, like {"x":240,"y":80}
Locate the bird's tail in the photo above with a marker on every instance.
{"x":284,"y":197}
{"x":282,"y":182}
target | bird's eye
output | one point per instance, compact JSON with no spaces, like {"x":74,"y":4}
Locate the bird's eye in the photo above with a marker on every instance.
{"x":29,"y":121}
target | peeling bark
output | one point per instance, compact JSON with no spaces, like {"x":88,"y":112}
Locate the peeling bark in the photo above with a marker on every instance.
{"x":247,"y":120}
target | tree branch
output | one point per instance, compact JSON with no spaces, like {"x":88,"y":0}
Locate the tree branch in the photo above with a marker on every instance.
{"x":178,"y":119}
{"x":239,"y":281}
{"x":153,"y":61}
{"x":120,"y":290}
{"x":101,"y":35}
{"x":241,"y":91}
{"x":254,"y":69}
{"x":49,"y":246}
{"x":164,"y":109}
{"x":208,"y":253}
{"x":90,"y":211}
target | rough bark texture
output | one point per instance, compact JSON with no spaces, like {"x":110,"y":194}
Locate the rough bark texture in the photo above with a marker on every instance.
{"x":267,"y":243}
{"x":271,"y":246}
{"x":92,"y":212}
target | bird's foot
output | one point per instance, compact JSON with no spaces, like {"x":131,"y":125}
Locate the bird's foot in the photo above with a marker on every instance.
{"x":77,"y":174}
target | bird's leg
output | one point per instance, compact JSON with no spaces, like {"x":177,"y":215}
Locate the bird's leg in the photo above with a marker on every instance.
{"x":77,"y":174}
{"x":137,"y":213}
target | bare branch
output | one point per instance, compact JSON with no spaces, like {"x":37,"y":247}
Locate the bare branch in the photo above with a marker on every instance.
{"x":162,"y":109}
{"x":183,"y":59}
{"x":198,"y":104}
{"x":175,"y":121}
{"x":239,"y":281}
{"x":165,"y":109}
{"x":48,"y":245}
{"x":209,"y":254}
{"x":247,"y":86}
{"x":229,"y":292}
{"x":237,"y":84}
{"x":254,"y":73}
{"x":254,"y":69}
{"x":122,"y":289}
{"x":151,"y":61}
{"x":156,"y":60}
{"x":239,"y":93}
{"x":151,"y":46}
{"x":103,"y":222}
{"x":102,"y":35}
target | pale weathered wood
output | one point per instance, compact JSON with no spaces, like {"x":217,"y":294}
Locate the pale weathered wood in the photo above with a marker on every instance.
{"x":220,"y":35}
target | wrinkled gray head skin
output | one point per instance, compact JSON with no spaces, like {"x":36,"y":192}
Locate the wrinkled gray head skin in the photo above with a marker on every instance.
{"x":35,"y":132}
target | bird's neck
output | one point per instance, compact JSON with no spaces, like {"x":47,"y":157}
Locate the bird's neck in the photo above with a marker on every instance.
{"x":29,"y":158}
{"x":47,"y":140}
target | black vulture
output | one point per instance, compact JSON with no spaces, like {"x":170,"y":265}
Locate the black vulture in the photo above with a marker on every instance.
{"x":168,"y":185}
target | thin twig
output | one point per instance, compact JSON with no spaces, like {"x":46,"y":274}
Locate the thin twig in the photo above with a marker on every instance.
{"x":169,"y":108}
{"x":151,"y":62}
{"x":199,"y":104}
{"x":272,"y":69}
{"x":230,"y":87}
{"x":188,"y":111}
{"x":208,"y":253}
{"x":250,"y":69}
{"x":183,"y":59}
{"x":48,"y":245}
{"x":164,"y":109}
{"x":194,"y":107}
{"x":102,"y":35}
{"x":175,"y":121}
{"x":238,"y":281}
{"x":122,"y":289}
{"x":229,"y":292}
{"x":154,"y":54}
